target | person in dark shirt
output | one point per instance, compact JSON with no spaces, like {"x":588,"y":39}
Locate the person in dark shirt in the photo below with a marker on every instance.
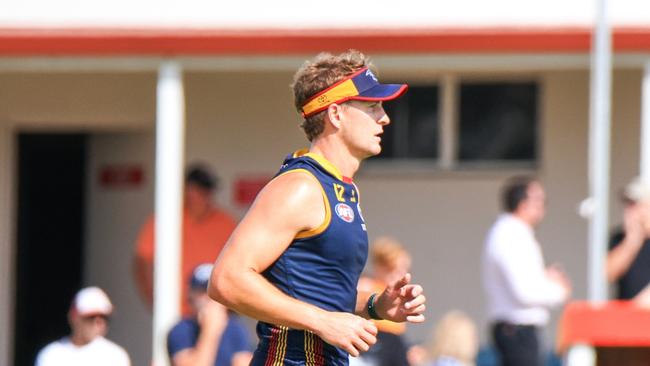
{"x":628,"y":260}
{"x":212,"y":336}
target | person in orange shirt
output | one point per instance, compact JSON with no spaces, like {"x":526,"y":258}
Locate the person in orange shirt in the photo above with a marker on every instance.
{"x":206,"y":228}
{"x":390,"y":261}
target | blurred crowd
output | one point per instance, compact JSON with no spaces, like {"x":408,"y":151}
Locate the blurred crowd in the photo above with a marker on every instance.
{"x":520,"y":290}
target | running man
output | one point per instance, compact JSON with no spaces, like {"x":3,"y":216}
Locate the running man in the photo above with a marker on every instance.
{"x":295,"y":259}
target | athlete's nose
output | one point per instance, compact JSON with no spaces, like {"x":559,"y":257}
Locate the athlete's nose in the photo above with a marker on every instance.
{"x":384,"y":120}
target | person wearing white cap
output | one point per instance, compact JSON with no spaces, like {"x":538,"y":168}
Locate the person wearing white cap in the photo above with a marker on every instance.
{"x":86,"y":345}
{"x":628,"y":260}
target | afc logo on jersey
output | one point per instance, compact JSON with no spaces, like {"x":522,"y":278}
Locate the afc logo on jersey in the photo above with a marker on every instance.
{"x":344,"y":212}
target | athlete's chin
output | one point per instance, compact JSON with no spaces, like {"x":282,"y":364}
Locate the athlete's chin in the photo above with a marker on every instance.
{"x":370,"y":153}
{"x":376,"y":150}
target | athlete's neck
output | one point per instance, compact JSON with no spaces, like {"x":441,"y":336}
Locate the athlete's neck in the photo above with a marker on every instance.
{"x":337,"y":155}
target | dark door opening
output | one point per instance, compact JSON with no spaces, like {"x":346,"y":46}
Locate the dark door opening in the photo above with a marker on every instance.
{"x":50,"y":234}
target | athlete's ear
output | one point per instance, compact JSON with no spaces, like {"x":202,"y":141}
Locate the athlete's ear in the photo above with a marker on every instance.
{"x":334,"y":114}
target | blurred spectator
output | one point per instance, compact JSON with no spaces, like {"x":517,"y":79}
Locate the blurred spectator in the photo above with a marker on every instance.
{"x":628,"y":261}
{"x":86,"y":345}
{"x":418,"y":355}
{"x":390,"y":261}
{"x":455,"y":341}
{"x":211,"y":336}
{"x":205,"y":231}
{"x":519,"y":289}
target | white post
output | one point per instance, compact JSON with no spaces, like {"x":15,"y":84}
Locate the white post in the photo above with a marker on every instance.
{"x":170,"y":135}
{"x":599,"y":153}
{"x":448,"y":126}
{"x":645,"y":124}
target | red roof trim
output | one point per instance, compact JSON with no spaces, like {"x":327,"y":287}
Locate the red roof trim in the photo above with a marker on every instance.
{"x":187,"y":42}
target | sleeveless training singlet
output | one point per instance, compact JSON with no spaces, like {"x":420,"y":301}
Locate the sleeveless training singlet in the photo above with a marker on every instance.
{"x":321,"y":267}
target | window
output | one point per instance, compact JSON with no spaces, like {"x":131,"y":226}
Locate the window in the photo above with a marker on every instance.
{"x":455,"y":124}
{"x":413,"y":131}
{"x":498,"y":121}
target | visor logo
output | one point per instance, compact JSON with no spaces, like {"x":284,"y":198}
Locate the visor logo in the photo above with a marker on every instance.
{"x":323,"y":99}
{"x":344,"y":212}
{"x":369,"y":73}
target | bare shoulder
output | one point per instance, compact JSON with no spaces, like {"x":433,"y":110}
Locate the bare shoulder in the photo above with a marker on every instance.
{"x":294,"y":190}
{"x":289,"y":204}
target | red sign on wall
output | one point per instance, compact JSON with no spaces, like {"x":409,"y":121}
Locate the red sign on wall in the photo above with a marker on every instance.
{"x":246,"y":189}
{"x":121,"y":176}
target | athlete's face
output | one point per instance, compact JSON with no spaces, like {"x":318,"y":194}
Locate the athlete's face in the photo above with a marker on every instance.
{"x":362,"y":127}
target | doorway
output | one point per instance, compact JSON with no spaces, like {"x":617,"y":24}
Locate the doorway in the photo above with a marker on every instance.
{"x":49,"y":237}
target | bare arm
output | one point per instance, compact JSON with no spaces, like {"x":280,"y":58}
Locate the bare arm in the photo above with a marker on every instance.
{"x":143,"y":262}
{"x":288,"y":205}
{"x":621,"y":257}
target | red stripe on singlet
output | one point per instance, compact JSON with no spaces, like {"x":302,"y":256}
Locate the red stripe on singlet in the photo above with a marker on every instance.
{"x":320,"y":360}
{"x":270,"y":354}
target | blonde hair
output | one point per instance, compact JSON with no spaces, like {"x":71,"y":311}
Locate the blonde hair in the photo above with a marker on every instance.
{"x":455,"y":336}
{"x":386,"y":252}
{"x":315,"y":76}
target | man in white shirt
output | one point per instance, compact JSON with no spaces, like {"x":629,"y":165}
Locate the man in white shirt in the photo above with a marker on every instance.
{"x":86,"y":344}
{"x":518,"y":286}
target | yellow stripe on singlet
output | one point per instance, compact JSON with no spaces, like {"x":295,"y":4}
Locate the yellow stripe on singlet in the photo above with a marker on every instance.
{"x":320,"y":159}
{"x":281,"y":347}
{"x":309,"y":349}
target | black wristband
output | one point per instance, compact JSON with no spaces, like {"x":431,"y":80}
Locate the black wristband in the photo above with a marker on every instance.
{"x":371,"y":308}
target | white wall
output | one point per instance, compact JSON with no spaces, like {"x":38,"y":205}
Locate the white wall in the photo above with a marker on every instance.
{"x":78,"y":101}
{"x":113,"y":222}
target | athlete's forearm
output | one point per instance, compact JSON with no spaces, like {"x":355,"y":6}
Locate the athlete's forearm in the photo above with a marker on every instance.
{"x":249,"y":293}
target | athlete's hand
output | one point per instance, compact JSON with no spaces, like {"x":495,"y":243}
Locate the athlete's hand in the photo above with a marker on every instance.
{"x":350,"y":332}
{"x":402,"y":301}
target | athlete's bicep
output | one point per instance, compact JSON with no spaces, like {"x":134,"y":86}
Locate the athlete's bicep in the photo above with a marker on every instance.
{"x":288,"y":205}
